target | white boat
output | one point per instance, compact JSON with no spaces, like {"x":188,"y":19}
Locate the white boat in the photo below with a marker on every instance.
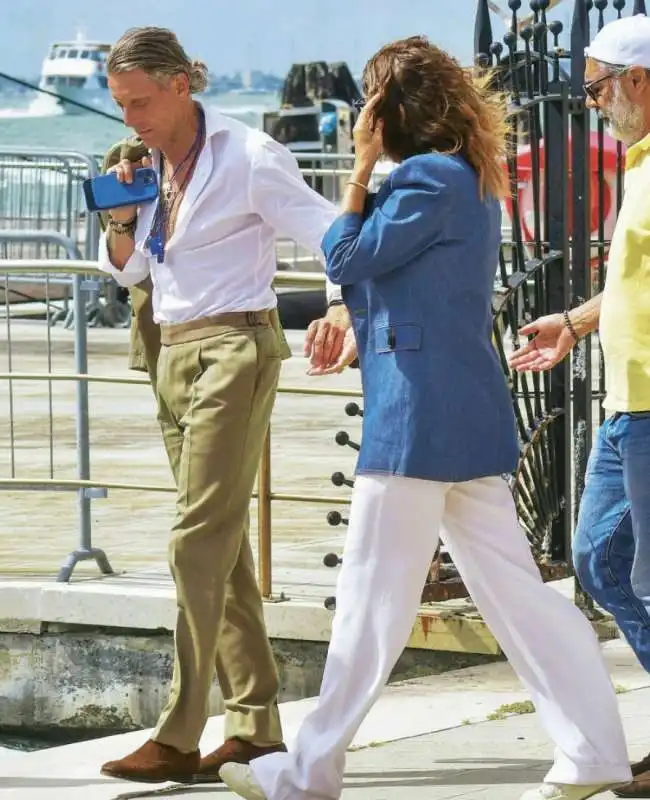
{"x":77,"y":70}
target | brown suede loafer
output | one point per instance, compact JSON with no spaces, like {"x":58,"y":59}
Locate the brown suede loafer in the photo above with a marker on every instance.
{"x":641,"y":766}
{"x":640,"y":787}
{"x":232,"y":750}
{"x":155,"y":763}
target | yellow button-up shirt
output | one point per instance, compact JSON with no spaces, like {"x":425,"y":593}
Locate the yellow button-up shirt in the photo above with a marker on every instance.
{"x":625,"y":309}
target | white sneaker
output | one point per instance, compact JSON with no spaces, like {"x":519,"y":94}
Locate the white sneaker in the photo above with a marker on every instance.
{"x":566,"y":791}
{"x":241,"y":780}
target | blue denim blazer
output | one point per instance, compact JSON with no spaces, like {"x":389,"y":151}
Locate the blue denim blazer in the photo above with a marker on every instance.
{"x":417,"y":272}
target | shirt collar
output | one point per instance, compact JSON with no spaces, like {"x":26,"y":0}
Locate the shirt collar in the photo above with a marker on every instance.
{"x":637,"y":151}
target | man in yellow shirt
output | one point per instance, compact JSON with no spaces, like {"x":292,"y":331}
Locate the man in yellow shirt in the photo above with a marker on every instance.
{"x":611,"y":549}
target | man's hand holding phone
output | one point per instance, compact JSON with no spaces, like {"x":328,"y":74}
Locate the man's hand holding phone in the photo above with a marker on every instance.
{"x":123,"y":220}
{"x":124,"y":171}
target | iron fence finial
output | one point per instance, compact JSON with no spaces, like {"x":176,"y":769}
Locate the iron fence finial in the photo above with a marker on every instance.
{"x":482,"y":30}
{"x":579,"y":40}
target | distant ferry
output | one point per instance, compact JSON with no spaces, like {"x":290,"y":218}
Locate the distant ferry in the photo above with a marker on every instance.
{"x":77,"y":70}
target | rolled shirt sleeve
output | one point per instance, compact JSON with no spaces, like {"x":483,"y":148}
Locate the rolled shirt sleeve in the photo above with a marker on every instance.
{"x":280,"y":195}
{"x":135,"y":270}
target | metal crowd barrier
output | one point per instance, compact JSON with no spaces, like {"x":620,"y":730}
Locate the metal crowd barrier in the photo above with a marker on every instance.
{"x":83,"y":274}
{"x":41,"y":190}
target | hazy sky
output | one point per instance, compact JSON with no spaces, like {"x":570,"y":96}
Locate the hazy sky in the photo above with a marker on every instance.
{"x":242,"y":34}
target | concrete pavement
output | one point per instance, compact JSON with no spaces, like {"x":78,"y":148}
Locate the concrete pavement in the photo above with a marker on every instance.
{"x":436,"y":738}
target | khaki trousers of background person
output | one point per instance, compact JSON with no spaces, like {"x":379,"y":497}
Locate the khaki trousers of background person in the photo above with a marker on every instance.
{"x":144,"y":346}
{"x":216,"y":389}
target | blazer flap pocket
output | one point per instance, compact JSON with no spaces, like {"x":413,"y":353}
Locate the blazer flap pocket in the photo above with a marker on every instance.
{"x":391,"y":338}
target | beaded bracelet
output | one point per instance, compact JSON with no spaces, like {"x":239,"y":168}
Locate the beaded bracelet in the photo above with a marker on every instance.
{"x":569,"y":325}
{"x":123,"y":228}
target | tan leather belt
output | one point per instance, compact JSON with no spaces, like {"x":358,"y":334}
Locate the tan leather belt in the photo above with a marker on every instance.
{"x":204,"y":327}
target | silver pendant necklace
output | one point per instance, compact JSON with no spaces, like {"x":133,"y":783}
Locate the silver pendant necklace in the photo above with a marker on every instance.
{"x":168,"y":190}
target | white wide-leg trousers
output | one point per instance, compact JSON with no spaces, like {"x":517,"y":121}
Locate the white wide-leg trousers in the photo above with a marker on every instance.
{"x":394,"y":527}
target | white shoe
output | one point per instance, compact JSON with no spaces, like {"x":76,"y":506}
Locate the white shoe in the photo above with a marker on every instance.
{"x":241,"y":780}
{"x":566,"y":791}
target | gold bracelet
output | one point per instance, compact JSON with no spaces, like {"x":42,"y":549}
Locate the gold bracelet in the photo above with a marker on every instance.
{"x":356,"y":183}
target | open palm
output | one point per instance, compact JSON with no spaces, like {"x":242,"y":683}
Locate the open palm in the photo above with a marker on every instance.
{"x":552,"y":341}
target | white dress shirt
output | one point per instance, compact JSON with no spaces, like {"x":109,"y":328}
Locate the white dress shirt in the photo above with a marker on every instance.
{"x":246,"y":191}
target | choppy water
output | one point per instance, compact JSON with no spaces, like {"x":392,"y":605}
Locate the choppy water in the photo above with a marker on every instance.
{"x":34,"y":120}
{"x":10,"y":743}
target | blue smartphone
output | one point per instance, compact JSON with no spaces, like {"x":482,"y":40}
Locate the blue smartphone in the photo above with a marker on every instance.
{"x":105,"y":191}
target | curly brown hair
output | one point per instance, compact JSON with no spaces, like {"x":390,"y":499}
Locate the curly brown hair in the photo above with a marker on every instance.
{"x":430,"y":103}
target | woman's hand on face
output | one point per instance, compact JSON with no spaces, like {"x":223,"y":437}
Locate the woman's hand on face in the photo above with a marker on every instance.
{"x":368,"y":134}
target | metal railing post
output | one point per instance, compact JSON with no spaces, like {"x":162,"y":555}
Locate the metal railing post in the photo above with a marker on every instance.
{"x":85,"y":550}
{"x":82,"y":423}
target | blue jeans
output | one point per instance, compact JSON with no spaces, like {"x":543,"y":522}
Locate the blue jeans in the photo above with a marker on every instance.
{"x":611,"y":549}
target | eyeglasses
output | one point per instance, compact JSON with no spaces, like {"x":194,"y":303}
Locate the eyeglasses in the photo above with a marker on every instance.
{"x":589,"y":88}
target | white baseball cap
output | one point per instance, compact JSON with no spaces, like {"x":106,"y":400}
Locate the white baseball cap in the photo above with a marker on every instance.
{"x":624,"y":42}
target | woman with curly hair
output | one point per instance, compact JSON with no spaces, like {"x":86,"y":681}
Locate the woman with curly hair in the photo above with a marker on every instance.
{"x":417,"y":263}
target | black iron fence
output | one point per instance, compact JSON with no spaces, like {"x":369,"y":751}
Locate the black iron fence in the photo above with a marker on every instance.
{"x":566,"y":181}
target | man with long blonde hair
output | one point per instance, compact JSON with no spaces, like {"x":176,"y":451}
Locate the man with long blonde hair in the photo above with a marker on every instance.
{"x":226,"y":192}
